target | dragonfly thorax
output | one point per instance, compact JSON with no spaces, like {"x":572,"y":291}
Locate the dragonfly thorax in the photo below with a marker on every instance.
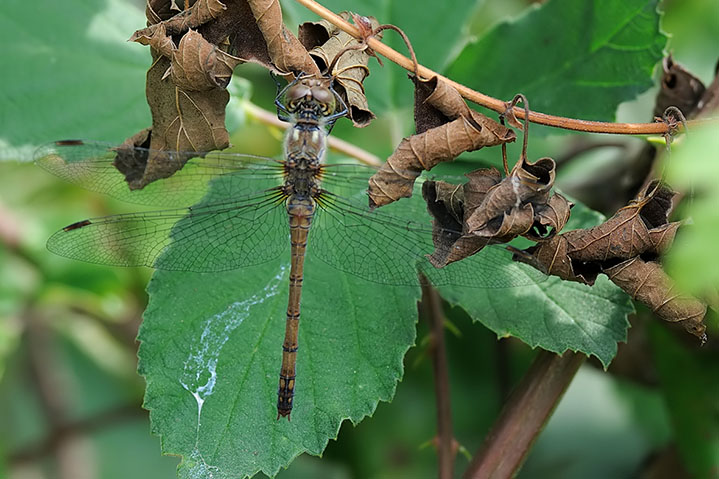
{"x":304,"y":152}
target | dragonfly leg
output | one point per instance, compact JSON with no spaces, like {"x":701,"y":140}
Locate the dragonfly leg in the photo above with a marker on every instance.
{"x":343,"y":111}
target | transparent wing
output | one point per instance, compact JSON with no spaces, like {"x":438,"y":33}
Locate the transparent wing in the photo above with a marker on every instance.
{"x":229,"y":228}
{"x":216,"y":235}
{"x":389,"y":249}
{"x":91,"y":166}
{"x":388,"y":245}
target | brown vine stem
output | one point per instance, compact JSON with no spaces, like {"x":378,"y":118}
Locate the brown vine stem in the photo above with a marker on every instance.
{"x":432,"y":305}
{"x":336,"y":144}
{"x":488,"y":101}
{"x":524,"y":415}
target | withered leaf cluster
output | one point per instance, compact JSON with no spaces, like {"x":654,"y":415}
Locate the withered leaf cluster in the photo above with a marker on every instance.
{"x":446,"y":127}
{"x":627,"y":248}
{"x":324,"y":41}
{"x":194,"y":53}
{"x":489,"y":209}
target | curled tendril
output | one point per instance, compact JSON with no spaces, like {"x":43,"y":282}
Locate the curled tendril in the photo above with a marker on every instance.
{"x":670,"y":117}
{"x":512,"y":119}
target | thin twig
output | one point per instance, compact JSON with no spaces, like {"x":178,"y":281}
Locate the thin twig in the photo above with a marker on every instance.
{"x":488,"y":101}
{"x":336,"y":144}
{"x":524,"y":416}
{"x":445,"y":439}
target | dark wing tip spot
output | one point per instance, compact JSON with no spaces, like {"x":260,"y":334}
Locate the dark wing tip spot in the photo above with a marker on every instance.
{"x":69,"y":143}
{"x":77,"y":225}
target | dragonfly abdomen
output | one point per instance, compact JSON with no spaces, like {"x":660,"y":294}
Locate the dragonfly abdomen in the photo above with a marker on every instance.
{"x":300,"y":210}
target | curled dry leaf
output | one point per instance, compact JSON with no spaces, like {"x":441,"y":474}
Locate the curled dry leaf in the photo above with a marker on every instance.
{"x":198,"y":65}
{"x":624,"y":248}
{"x":638,"y":228}
{"x":466,"y":130}
{"x":445,"y":203}
{"x":645,"y":281}
{"x":198,"y":14}
{"x":527,"y":183}
{"x":286,"y":52}
{"x":324,"y":42}
{"x":507,"y":211}
{"x":679,"y":88}
{"x":194,"y":53}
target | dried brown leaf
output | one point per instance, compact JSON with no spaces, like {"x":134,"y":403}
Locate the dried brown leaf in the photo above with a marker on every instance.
{"x":192,"y":121}
{"x":200,"y":13}
{"x":445,"y":205}
{"x":550,"y":217}
{"x":527,"y":183}
{"x":424,"y":151}
{"x":450,"y":206}
{"x":185,"y":85}
{"x":198,"y":65}
{"x":446,"y":127}
{"x":324,"y":42}
{"x":286,"y":52}
{"x":679,"y":88}
{"x":157,"y":38}
{"x":551,"y":257}
{"x":614,"y":248}
{"x":645,"y":281}
{"x":640,"y":227}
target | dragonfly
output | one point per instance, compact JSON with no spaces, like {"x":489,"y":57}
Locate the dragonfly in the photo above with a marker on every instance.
{"x":240,"y":210}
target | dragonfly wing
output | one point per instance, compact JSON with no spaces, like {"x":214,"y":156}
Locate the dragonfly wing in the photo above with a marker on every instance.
{"x":384,"y":246}
{"x":91,"y":166}
{"x":213,"y":236}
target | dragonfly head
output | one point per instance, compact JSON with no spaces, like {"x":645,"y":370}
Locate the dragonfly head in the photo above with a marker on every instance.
{"x":311,"y":93}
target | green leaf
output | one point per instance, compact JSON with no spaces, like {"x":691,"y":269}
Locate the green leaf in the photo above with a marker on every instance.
{"x":555,"y":315}
{"x":68,"y":71}
{"x":576,"y":58}
{"x":211,"y":347}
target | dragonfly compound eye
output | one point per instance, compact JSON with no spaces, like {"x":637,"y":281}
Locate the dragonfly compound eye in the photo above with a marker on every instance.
{"x":296,"y":93}
{"x":324,"y":98}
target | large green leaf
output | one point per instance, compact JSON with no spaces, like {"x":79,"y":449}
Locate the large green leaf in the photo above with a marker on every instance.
{"x":222,"y":333}
{"x":576,"y":58}
{"x":68,"y":72}
{"x":211,"y":350}
{"x":555,"y":315}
